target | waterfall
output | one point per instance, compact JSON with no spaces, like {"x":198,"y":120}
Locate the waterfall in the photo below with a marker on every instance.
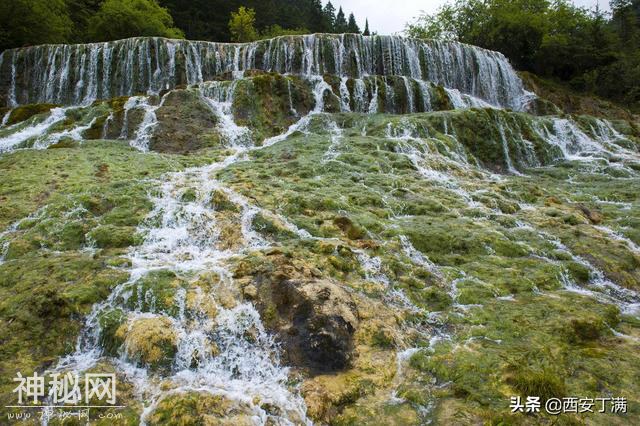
{"x":218,"y":96}
{"x":80,"y":74}
{"x":145,"y":130}
{"x":409,"y":92}
{"x":182,"y":237}
{"x":32,"y":131}
{"x":345,"y":97}
{"x":576,"y":144}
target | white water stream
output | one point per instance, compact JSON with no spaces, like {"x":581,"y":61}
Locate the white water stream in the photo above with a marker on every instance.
{"x":182,"y":236}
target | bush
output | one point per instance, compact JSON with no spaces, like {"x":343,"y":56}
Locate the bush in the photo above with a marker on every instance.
{"x":118,"y":19}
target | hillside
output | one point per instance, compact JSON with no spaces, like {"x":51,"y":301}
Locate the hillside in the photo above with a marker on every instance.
{"x":322,"y":229}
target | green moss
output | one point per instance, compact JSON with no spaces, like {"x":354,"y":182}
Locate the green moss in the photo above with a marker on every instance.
{"x":579,"y":271}
{"x":64,"y":143}
{"x":189,"y":196}
{"x":195,"y":408}
{"x":111,"y":236}
{"x":587,"y":329}
{"x":271,"y":227}
{"x":149,"y":342}
{"x":545,"y":383}
{"x":25,"y":112}
{"x":352,"y":230}
{"x":220,"y":201}
{"x":110,"y":321}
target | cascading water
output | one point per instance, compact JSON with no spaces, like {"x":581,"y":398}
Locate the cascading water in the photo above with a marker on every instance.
{"x":34,"y":131}
{"x":230,"y":353}
{"x":80,"y":74}
{"x":181,"y":237}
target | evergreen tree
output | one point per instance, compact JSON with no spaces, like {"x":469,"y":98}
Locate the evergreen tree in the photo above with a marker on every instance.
{"x":242,"y":25}
{"x":341,"y":22}
{"x":329,"y":16}
{"x":366,"y":28}
{"x":316,"y":18}
{"x":352,"y":26}
{"x":202,"y":19}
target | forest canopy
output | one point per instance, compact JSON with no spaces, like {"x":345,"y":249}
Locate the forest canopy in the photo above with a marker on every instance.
{"x":30,"y":22}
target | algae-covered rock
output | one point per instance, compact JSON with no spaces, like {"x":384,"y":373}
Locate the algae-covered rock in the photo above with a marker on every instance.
{"x":149,"y":341}
{"x":155,"y":292}
{"x":109,"y":236}
{"x":110,"y":322}
{"x":200,"y":409}
{"x":271,"y":227}
{"x":269,"y":103}
{"x":220,"y":201}
{"x":25,"y":112}
{"x":185,"y":124}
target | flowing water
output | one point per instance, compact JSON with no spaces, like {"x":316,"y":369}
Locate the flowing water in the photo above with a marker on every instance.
{"x":229,"y":353}
{"x":80,"y":74}
{"x":183,"y":237}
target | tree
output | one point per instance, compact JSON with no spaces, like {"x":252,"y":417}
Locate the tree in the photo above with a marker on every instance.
{"x":352,"y":26}
{"x":329,"y":15}
{"x":209,"y":19}
{"x":29,"y":22}
{"x":341,"y":23}
{"x":626,"y":19}
{"x":316,"y":17}
{"x":366,"y":28}
{"x":119,"y":19}
{"x":80,"y":12}
{"x":242,"y":25}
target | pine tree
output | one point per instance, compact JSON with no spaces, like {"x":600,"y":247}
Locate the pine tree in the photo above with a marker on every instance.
{"x":329,"y":16}
{"x":352,"y":26}
{"x":341,"y":22}
{"x":366,"y":28}
{"x":316,"y":17}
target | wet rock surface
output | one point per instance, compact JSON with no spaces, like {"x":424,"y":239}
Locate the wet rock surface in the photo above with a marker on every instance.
{"x":185,"y":124}
{"x":319,"y":319}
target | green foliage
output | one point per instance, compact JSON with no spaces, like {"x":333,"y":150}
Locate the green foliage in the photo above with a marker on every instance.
{"x":341,"y":25}
{"x":352,"y":26}
{"x":80,"y":12}
{"x":556,"y":39}
{"x":209,"y":19}
{"x":119,"y":19}
{"x":329,"y":15}
{"x":29,"y":22}
{"x":242,"y":25}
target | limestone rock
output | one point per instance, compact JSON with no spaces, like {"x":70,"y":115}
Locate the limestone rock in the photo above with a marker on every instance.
{"x":321,"y":320}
